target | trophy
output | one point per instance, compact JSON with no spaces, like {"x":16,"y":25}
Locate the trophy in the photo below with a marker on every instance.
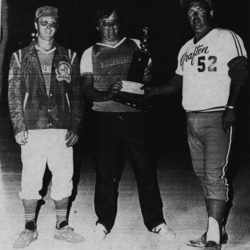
{"x":131,"y":93}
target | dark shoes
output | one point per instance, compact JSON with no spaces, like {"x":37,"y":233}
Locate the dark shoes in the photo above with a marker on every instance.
{"x":201,"y":242}
{"x":211,"y":245}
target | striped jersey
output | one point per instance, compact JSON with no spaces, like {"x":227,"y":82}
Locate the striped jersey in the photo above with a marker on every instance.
{"x":109,"y":64}
{"x":46,"y":59}
{"x":204,"y":67}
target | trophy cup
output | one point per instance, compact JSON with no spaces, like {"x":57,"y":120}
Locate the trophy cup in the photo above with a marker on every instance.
{"x":131,"y":93}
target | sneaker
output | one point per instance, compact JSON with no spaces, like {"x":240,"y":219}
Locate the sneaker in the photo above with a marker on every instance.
{"x":25,"y":238}
{"x":100,"y":232}
{"x":67,"y":234}
{"x":211,"y":245}
{"x":164,"y":231}
{"x":201,"y":241}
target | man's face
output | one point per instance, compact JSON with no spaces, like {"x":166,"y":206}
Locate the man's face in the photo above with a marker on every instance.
{"x":109,"y":28}
{"x":198,"y":16}
{"x":46,"y":27}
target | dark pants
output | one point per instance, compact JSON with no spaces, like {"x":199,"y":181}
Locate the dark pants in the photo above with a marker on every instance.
{"x":115,"y":134}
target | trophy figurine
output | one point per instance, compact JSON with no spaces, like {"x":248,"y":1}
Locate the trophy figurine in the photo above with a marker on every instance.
{"x":131,"y":93}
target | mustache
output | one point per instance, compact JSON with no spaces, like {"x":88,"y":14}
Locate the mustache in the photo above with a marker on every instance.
{"x":196,"y":18}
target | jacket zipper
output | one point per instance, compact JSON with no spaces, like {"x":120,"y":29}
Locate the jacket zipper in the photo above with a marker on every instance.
{"x":68,"y":101}
{"x":25,"y":100}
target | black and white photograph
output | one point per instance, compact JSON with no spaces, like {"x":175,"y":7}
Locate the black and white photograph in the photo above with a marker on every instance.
{"x":124,"y":124}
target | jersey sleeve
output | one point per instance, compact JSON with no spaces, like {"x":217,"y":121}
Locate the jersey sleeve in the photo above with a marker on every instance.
{"x":236,"y":56}
{"x":136,"y":41}
{"x":86,"y":65}
{"x":232,"y":44}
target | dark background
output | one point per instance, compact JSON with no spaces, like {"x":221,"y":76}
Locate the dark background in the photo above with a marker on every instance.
{"x":168,"y":31}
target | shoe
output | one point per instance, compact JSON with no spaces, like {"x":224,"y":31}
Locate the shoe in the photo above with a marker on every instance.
{"x":201,"y":242}
{"x":211,"y":245}
{"x":100,"y":232}
{"x":67,"y":234}
{"x":164,"y":231}
{"x":25,"y":238}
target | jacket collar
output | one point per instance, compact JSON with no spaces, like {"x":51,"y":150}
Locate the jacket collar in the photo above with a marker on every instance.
{"x":31,"y":47}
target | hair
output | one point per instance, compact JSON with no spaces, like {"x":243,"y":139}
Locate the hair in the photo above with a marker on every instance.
{"x":105,"y":10}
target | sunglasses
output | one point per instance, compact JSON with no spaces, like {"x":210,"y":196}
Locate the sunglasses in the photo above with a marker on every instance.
{"x":51,"y":24}
{"x":110,"y":23}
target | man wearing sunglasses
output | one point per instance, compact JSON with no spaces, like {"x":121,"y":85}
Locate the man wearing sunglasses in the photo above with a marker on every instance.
{"x":46,"y":112}
{"x":118,"y":128}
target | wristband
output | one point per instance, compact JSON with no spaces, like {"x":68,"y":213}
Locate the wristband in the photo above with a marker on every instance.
{"x":229,"y":107}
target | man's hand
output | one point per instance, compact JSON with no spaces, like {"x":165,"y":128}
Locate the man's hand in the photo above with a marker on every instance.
{"x":228,"y":119}
{"x":148,"y":73}
{"x":114,"y":89}
{"x":71,"y":138}
{"x":21,"y":137}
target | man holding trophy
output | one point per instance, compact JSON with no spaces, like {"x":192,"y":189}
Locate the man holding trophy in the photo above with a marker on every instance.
{"x":118,"y":127}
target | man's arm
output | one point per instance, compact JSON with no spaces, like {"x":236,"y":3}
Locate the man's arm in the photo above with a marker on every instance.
{"x":16,"y":92}
{"x":92,"y":94}
{"x":238,"y":73}
{"x":77,"y":106}
{"x":174,"y":85}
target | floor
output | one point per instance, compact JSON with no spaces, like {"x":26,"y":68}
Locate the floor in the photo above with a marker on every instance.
{"x":181,"y":193}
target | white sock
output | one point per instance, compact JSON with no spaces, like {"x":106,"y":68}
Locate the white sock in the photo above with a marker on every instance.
{"x":213,"y":231}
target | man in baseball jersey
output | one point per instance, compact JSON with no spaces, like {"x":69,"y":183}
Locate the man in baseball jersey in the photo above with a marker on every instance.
{"x":118,"y":127}
{"x":46,"y":111}
{"x":211,"y":71}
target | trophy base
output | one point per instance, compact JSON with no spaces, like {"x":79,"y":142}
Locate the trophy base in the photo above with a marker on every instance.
{"x":133,"y":100}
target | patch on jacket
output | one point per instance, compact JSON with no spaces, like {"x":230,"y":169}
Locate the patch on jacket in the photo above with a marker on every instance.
{"x":63,"y":72}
